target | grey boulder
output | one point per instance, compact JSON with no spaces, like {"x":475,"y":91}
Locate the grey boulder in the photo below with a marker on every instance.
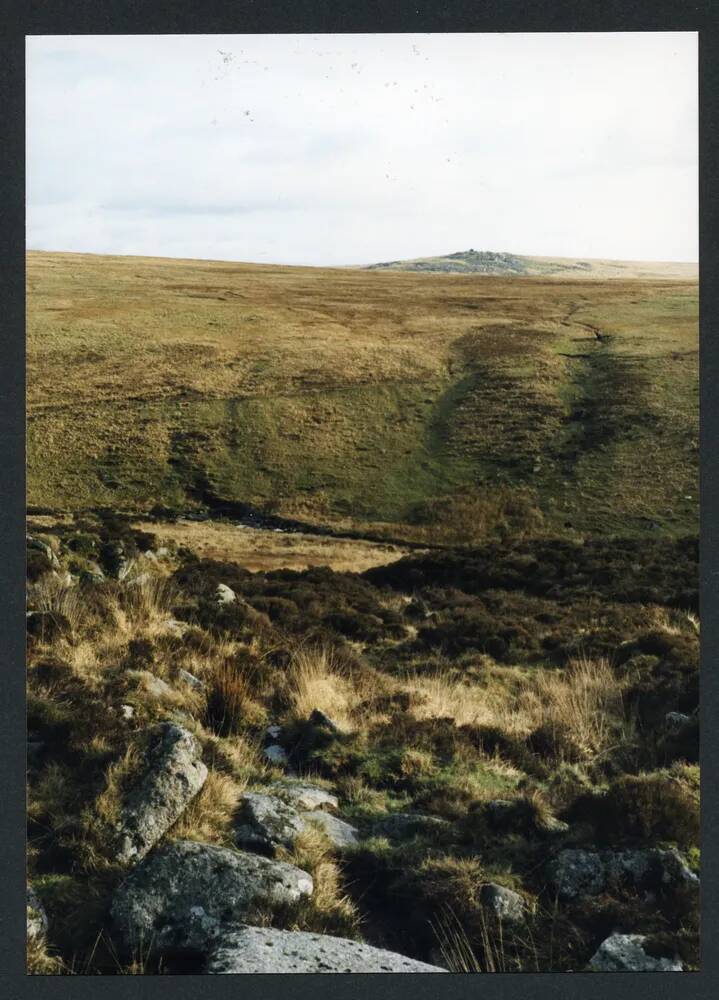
{"x":266,"y":822}
{"x":577,"y":873}
{"x":503,"y":903}
{"x":275,"y":754}
{"x":340,"y":834}
{"x":184,"y":895}
{"x":625,"y":953}
{"x":224,"y":594}
{"x":264,"y":949}
{"x":174,"y":776}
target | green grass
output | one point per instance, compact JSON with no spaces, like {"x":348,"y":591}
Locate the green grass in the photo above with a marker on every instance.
{"x":362,"y":396}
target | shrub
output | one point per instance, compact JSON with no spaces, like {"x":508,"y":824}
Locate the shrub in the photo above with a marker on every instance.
{"x":646,"y":809}
{"x":230,"y":702}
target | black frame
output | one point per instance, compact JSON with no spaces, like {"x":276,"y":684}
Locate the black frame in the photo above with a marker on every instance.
{"x":34,"y":17}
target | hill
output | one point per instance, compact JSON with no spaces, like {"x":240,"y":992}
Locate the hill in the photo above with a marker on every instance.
{"x":442,"y":410}
{"x":428,"y":542}
{"x":490,"y":262}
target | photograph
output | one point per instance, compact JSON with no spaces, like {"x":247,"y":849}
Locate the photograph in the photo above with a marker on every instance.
{"x":362,"y":493}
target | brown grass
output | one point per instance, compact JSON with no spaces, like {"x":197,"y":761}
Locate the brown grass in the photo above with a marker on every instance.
{"x":318,"y":680}
{"x":264,"y":550}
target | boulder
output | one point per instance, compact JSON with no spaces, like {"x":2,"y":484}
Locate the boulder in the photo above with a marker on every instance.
{"x":151,"y":684}
{"x":577,"y":873}
{"x":174,"y":776}
{"x":184,"y":895}
{"x":265,"y":949}
{"x":341,"y":834}
{"x":115,"y":560}
{"x":36,"y":917}
{"x":404,"y":825}
{"x":266,"y":822}
{"x":45,"y":548}
{"x":625,"y":953}
{"x":187,"y":678}
{"x":304,"y":796}
{"x":503,"y":903}
{"x":275,"y":754}
{"x":224,"y":594}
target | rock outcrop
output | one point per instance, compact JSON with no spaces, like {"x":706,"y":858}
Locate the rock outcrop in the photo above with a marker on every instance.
{"x":183,"y":896}
{"x":264,"y":949}
{"x":340,"y":834}
{"x":625,"y":953}
{"x":506,"y":905}
{"x":266,"y":822}
{"x":174,"y":776}
{"x":577,"y":873}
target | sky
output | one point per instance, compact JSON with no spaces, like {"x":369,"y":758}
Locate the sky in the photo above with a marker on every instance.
{"x":355,"y":149}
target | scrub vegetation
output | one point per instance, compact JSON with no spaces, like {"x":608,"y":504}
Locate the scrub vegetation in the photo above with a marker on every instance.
{"x":429,"y":538}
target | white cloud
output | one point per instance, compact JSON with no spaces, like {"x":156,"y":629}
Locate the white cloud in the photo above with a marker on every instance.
{"x":356,"y":148}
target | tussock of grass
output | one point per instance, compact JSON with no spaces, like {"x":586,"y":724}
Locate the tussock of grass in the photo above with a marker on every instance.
{"x":209,"y":817}
{"x":318,"y":680}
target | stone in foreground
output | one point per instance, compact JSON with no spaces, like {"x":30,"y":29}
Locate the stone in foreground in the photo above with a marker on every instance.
{"x":340,"y":834}
{"x":577,"y":873}
{"x":265,"y":822}
{"x":625,"y":953}
{"x":185,"y":895}
{"x":264,"y":949}
{"x":175,"y":775}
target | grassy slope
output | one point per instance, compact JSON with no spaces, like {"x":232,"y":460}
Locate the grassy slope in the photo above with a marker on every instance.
{"x":348,"y":394}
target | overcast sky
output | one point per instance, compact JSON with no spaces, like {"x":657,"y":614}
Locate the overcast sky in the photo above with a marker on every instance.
{"x":351,"y":149}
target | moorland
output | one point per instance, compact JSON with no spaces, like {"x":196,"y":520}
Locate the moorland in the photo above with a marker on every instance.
{"x":425,"y":542}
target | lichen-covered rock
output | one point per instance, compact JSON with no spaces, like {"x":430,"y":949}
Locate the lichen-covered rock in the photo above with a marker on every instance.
{"x":577,"y":873}
{"x":265,"y":822}
{"x":224,"y":594}
{"x":625,"y":953}
{"x":340,"y":834}
{"x":151,"y":684}
{"x":503,"y":903}
{"x":184,"y":895}
{"x":403,"y":825}
{"x":264,"y":949}
{"x":304,"y":796}
{"x":174,"y":776}
{"x":275,"y":754}
{"x":193,"y":682}
{"x":36,"y":917}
